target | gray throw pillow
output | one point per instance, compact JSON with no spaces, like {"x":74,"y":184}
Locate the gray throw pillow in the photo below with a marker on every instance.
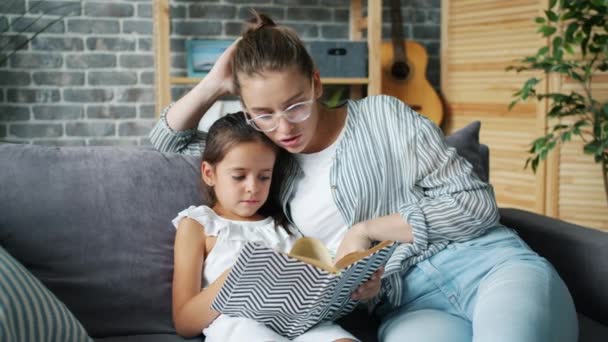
{"x":466,"y":142}
{"x":94,"y":225}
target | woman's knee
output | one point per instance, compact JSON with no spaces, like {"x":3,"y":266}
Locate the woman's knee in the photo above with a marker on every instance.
{"x":523,"y":300}
{"x":424,"y":325}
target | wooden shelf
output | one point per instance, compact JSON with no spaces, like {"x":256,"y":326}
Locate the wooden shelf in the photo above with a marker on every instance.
{"x":325,"y":80}
{"x":357,"y":24}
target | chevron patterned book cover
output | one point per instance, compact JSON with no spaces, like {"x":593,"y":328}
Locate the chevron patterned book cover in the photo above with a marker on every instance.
{"x":290,"y":293}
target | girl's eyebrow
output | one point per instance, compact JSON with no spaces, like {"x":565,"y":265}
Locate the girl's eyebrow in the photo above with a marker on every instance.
{"x":245,"y":169}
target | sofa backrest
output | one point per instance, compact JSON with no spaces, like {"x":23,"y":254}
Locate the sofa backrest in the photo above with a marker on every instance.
{"x":94,"y":225}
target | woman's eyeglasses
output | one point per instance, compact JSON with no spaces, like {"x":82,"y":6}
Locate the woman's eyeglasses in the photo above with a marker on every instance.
{"x":295,"y":113}
{"x":269,"y":122}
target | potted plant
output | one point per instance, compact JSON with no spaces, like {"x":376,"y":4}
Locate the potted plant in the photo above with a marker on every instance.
{"x":577,"y":48}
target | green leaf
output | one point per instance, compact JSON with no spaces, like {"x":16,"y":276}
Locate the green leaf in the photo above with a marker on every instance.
{"x":595,"y":49}
{"x":592,"y":147}
{"x":569,"y":34}
{"x":557,"y":48}
{"x":551,"y":16}
{"x":552,"y":3}
{"x":555,"y":111}
{"x":560,"y":126}
{"x":569,"y":48}
{"x":543,"y":154}
{"x":568,"y":15}
{"x":528,"y":87}
{"x":576,"y":76}
{"x":542,"y":51}
{"x":535,"y":164}
{"x":539,"y":20}
{"x":582,"y":123}
{"x":566,"y":136}
{"x":547,"y":30}
{"x":558,"y":55}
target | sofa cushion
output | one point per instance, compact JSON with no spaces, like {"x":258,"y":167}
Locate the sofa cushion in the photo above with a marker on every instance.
{"x":466,"y":142}
{"x":94,"y":225}
{"x":29,"y":311}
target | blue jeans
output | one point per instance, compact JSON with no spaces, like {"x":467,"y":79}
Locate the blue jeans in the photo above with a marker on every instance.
{"x":492,"y":288}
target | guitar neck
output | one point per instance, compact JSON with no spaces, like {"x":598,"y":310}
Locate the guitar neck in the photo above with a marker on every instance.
{"x":399,"y":53}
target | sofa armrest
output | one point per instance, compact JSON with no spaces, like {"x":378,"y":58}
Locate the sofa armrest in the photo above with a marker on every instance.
{"x":579,"y":254}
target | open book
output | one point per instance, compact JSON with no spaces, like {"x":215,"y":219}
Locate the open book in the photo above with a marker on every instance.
{"x":290,"y":293}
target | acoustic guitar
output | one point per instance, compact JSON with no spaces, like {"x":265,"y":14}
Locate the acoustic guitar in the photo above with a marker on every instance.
{"x":404,"y":71}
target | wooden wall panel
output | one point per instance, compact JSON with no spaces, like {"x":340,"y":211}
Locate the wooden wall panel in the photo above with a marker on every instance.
{"x":483,"y":38}
{"x":479,"y":40}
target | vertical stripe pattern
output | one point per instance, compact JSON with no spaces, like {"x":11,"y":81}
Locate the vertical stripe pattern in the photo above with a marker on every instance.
{"x":391,"y":160}
{"x":29,"y":311}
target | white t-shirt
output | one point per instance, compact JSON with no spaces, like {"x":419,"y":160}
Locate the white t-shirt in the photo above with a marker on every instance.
{"x":232,"y":236}
{"x":312,"y":206}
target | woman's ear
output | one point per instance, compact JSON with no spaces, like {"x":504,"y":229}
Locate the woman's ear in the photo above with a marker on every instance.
{"x":316,"y":79}
{"x":208,"y":173}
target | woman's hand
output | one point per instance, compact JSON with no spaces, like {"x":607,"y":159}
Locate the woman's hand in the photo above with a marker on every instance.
{"x":221,"y":73}
{"x":356,"y":239}
{"x":187,"y":112}
{"x":370,"y":288}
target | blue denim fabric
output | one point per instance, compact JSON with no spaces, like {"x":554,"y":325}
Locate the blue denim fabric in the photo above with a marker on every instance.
{"x":492,"y":288}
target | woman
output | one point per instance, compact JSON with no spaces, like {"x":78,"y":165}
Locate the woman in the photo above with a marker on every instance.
{"x":374,"y":170}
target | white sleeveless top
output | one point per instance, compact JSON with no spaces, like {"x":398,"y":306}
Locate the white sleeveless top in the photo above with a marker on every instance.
{"x":231,"y":237}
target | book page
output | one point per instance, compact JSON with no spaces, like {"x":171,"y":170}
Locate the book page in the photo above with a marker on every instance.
{"x":313,"y":251}
{"x":352,"y":258}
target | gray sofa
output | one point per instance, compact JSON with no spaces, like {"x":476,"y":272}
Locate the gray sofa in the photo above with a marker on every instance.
{"x":92,"y":225}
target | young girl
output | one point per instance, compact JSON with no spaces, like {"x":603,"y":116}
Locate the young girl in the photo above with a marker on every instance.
{"x":237,"y":170}
{"x":374,"y":169}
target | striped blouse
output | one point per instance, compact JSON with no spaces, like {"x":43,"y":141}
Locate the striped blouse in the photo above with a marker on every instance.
{"x":390,"y":160}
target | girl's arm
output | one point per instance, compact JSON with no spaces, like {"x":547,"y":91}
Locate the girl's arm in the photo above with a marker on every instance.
{"x":192,"y":306}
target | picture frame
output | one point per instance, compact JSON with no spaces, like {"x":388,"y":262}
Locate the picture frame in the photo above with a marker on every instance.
{"x":201,"y":54}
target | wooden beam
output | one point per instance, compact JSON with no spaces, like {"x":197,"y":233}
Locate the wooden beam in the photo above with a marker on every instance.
{"x":374,"y":41}
{"x":162,"y":56}
{"x":355,"y":15}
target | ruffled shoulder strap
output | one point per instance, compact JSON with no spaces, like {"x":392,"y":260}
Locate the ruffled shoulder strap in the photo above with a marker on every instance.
{"x":203,"y":215}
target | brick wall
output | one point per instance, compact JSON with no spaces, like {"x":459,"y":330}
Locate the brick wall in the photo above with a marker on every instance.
{"x":89,"y":78}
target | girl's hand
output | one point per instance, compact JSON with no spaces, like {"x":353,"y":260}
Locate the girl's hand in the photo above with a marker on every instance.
{"x":356,"y":239}
{"x":221,"y":73}
{"x":370,"y":288}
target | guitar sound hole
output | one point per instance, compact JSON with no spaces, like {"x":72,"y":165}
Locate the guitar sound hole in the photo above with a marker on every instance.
{"x":400,"y":70}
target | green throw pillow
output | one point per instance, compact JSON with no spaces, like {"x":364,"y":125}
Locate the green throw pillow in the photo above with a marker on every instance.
{"x":29,"y":311}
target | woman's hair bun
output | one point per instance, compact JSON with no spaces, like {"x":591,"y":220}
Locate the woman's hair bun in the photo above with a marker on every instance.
{"x":257,"y":22}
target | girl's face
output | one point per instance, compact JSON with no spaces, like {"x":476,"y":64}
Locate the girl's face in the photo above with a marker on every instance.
{"x":241,"y":181}
{"x":275,"y":91}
